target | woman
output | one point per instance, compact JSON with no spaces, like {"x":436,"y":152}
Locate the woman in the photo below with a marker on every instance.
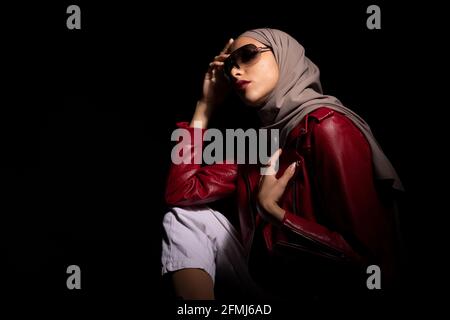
{"x":325,"y":215}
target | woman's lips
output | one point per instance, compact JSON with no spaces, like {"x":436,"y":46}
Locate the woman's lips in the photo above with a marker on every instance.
{"x":241,"y":84}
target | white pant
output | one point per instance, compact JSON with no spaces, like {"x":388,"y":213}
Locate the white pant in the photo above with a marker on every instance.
{"x":200,"y":237}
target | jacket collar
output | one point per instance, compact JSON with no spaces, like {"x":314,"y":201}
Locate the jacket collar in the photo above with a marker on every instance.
{"x":302,"y":128}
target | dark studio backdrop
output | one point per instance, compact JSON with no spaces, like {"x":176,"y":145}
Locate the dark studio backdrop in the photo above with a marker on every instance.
{"x":87,"y":118}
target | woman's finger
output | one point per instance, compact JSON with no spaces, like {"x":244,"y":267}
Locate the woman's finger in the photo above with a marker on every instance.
{"x":227,"y":46}
{"x":209,"y":72}
{"x":221,"y":57}
{"x":274,"y":157}
{"x":272,"y":164}
{"x":287,"y":175}
{"x":216,"y":63}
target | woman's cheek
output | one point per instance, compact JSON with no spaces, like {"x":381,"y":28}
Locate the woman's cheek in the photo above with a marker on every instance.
{"x":254,"y":94}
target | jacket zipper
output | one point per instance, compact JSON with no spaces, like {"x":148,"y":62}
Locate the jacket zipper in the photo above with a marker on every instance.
{"x":294,"y":196}
{"x":250,"y":205}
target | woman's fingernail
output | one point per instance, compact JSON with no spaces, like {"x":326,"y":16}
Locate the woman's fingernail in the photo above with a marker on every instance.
{"x":292,"y":167}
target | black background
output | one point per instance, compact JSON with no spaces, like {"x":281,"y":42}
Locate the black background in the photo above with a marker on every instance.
{"x":87,"y":116}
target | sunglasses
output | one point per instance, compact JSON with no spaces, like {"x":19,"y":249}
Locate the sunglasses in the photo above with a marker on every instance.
{"x":244,"y":56}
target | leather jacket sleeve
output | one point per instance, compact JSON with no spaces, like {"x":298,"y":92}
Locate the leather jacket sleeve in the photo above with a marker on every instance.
{"x":190,"y":183}
{"x":322,"y":241}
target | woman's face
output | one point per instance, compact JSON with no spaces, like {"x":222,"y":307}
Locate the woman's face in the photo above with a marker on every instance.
{"x":262,"y":76}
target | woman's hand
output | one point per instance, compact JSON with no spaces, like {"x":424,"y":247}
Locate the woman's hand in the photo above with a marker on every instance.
{"x":271,"y":189}
{"x":215,"y":86}
{"x":215,"y":89}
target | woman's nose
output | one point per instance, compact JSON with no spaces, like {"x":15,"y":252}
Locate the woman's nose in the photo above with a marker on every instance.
{"x":236,"y":71}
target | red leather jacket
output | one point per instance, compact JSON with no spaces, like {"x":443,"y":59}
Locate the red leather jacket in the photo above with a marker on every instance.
{"x":332,"y":207}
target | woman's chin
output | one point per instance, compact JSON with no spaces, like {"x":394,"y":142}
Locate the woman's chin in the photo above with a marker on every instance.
{"x":252,"y":101}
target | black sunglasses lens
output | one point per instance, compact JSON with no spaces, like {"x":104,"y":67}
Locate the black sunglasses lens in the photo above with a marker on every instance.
{"x":227,"y":66}
{"x":248,"y":54}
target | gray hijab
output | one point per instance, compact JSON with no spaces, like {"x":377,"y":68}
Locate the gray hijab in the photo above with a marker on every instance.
{"x":299,"y":92}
